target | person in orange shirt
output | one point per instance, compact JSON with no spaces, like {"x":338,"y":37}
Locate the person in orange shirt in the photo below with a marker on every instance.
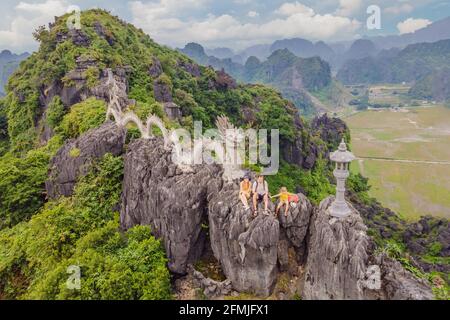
{"x":284,"y":200}
{"x":245,"y":191}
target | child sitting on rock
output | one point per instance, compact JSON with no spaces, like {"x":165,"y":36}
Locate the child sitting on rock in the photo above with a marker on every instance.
{"x":284,"y":200}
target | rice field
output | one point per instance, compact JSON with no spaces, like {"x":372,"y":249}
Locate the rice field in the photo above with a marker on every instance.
{"x":406,"y":155}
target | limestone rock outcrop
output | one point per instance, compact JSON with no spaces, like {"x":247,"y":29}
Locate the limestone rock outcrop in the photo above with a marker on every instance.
{"x":77,"y":90}
{"x":398,"y":283}
{"x":296,"y":224}
{"x":341,"y":263}
{"x":173,"y":202}
{"x":245,"y":247}
{"x":330,"y":130}
{"x":293,"y":232}
{"x":75,"y":156}
{"x":211,"y":288}
{"x":182,"y":204}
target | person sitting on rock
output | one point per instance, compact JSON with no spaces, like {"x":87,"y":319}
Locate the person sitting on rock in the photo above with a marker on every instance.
{"x":245,"y":191}
{"x":260,"y":193}
{"x":284,"y":196}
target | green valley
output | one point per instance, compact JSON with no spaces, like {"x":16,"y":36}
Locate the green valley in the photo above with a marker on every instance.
{"x":419,"y":138}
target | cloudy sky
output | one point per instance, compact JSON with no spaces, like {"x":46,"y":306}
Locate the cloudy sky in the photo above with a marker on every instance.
{"x":233,"y":23}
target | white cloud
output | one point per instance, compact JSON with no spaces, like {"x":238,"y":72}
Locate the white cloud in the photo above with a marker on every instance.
{"x":296,"y":20}
{"x":290,"y":8}
{"x":18,"y":34}
{"x":348,"y":8}
{"x":412,"y":25}
{"x":161,"y":17}
{"x":402,"y":8}
{"x":253,"y":14}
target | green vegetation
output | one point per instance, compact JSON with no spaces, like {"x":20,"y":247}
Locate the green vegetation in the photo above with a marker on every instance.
{"x":39,"y":240}
{"x":283,"y":70}
{"x":83,"y":231}
{"x":74,"y":153}
{"x":434,"y":86}
{"x":360,"y":185}
{"x":396,"y":250}
{"x":315,"y":184}
{"x":55,"y":112}
{"x":199,"y":97}
{"x":83,"y":116}
{"x":92,"y":75}
{"x":22,"y":185}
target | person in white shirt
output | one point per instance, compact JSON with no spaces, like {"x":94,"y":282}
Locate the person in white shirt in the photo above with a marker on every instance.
{"x":260,"y":193}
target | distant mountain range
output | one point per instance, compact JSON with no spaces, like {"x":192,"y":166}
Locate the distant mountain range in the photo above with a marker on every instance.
{"x":436,"y":31}
{"x":8,"y":64}
{"x":414,"y":58}
{"x":394,"y":66}
{"x":293,"y":76}
{"x":338,"y":53}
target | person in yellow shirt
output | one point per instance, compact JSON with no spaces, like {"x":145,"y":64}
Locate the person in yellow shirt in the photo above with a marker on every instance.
{"x":284,"y":200}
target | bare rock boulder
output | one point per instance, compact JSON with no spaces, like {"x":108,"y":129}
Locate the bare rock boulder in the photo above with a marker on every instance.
{"x":246,"y":247}
{"x":75,"y":157}
{"x":172,"y":201}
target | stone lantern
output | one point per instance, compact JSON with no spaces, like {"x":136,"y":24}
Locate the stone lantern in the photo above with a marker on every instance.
{"x":342,"y":157}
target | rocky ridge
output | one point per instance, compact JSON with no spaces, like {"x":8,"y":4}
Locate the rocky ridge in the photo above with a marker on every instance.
{"x":195,"y":208}
{"x":341,"y":263}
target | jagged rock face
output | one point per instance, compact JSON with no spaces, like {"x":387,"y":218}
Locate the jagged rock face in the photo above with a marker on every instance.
{"x":387,"y":222}
{"x":155,"y":69}
{"x":330,"y":130}
{"x":191,"y":68}
{"x":77,"y":90}
{"x":104,"y":33}
{"x":340,"y":263}
{"x":399,"y":284}
{"x":418,"y":236}
{"x":211,"y":288}
{"x":337,"y":256}
{"x":75,"y":156}
{"x":174,"y":203}
{"x":223,"y":81}
{"x":296,"y":224}
{"x":421,"y":235}
{"x":78,"y":37}
{"x":304,"y":152}
{"x":293,"y":231}
{"x":296,"y":152}
{"x":246,"y":248}
{"x":292,"y":152}
{"x":162,"y":91}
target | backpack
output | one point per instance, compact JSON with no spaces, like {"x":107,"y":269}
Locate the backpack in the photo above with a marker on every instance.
{"x":265,"y":185}
{"x":293,"y":198}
